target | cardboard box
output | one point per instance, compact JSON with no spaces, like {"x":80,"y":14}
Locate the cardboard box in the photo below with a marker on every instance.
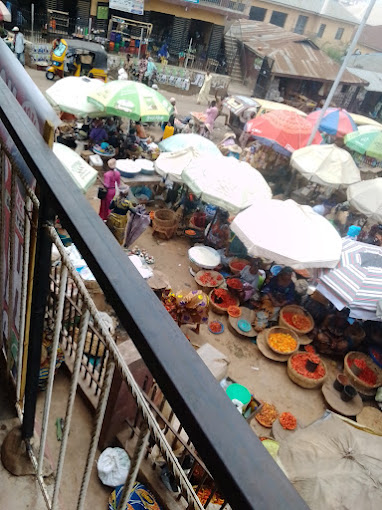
{"x":86,"y":155}
{"x":215,"y":360}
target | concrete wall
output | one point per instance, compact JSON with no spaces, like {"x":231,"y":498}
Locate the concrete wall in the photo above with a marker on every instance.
{"x":189,"y":12}
{"x":313,"y":24}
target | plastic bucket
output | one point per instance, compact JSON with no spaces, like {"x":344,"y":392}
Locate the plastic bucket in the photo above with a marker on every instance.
{"x":240,"y":393}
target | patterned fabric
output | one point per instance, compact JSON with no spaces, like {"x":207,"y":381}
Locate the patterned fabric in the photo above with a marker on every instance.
{"x":192,"y":307}
{"x":140,"y":498}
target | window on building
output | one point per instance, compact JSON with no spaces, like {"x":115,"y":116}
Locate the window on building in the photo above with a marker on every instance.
{"x":345,"y":88}
{"x":301,"y":24}
{"x":321,"y":30}
{"x":257,"y":13}
{"x":339,"y":34}
{"x":278,"y":18}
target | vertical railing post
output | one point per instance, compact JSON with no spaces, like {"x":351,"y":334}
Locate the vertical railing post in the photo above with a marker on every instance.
{"x":39,"y":299}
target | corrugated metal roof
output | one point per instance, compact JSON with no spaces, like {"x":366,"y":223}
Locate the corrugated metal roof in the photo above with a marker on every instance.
{"x":374,"y":79}
{"x":294,"y":55}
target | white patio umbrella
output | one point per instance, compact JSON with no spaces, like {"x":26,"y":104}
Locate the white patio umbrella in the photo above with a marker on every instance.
{"x":171,"y":164}
{"x":71,"y":95}
{"x":83,"y":174}
{"x":288,"y":233}
{"x":226,"y":182}
{"x":366,"y":197}
{"x":327,"y":165}
{"x":5,"y":15}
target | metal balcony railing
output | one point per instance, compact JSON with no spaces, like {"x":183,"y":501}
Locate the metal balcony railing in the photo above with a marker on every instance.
{"x":212,"y":435}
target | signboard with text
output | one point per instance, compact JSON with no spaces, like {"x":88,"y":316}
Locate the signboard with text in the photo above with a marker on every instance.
{"x":132,"y":6}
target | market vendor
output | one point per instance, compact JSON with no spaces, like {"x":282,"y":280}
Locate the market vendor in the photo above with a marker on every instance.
{"x":98,"y":134}
{"x":141,"y":132}
{"x":131,"y":146}
{"x":218,"y":232}
{"x":372,"y":235}
{"x":336,"y":336}
{"x":190,"y":307}
{"x":280,"y":291}
{"x":117,"y":219}
{"x":253,"y":278}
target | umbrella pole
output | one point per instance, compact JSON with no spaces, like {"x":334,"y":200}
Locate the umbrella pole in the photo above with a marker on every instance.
{"x":213,"y":219}
{"x":291,"y":183}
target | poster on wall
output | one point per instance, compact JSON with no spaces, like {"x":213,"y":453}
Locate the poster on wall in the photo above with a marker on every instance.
{"x":11,"y":323}
{"x":132,"y":6}
{"x":39,"y":111}
{"x":102,"y":12}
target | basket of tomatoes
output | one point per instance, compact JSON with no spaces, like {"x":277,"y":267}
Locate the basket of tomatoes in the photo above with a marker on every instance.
{"x":296,"y":319}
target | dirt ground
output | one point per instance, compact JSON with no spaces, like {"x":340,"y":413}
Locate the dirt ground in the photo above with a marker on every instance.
{"x":266,"y":379}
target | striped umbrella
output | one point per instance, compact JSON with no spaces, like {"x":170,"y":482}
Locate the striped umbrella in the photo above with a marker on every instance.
{"x":356,"y":282}
{"x":335,"y":122}
{"x":133,"y":100}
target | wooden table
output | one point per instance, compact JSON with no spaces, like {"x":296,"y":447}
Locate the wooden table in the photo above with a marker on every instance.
{"x":142,"y":180}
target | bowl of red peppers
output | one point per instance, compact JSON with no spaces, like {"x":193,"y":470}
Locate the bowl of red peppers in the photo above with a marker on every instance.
{"x":369,"y":375}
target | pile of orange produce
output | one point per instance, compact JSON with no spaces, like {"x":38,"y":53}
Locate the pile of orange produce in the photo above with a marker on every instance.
{"x":204,"y":494}
{"x":288,"y":421}
{"x":297,"y":320}
{"x":267,"y":415}
{"x":367,"y":375}
{"x":282,"y":342}
{"x":223,"y":298}
{"x":208,"y":279}
{"x":299,"y":365}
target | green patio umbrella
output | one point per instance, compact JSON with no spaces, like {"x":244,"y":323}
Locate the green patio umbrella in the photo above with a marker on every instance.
{"x":133,"y":100}
{"x":368,"y":143}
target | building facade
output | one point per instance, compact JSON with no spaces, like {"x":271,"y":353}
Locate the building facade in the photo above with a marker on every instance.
{"x":179,"y":22}
{"x":326,"y":22}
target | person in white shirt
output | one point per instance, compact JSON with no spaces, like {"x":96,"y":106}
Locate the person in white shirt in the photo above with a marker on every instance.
{"x":19,"y":45}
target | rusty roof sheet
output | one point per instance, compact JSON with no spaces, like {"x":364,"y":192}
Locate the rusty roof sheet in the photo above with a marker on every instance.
{"x":294,"y":55}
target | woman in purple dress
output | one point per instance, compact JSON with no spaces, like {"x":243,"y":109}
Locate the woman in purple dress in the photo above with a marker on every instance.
{"x":110,"y":179}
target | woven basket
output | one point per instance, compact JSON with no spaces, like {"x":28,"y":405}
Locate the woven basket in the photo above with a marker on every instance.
{"x":287,"y":331}
{"x":164,"y":218}
{"x":356,"y":380}
{"x":218,"y":309}
{"x":295,"y":310}
{"x":165,"y":222}
{"x":302,"y":381}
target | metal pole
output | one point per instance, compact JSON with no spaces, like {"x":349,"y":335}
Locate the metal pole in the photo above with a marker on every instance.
{"x":90,"y":27}
{"x":32,"y":21}
{"x":39,"y":298}
{"x":188,"y":53}
{"x":342,"y":70}
{"x":140,"y":44}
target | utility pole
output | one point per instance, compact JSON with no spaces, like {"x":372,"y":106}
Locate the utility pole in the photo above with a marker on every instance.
{"x":342,"y":70}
